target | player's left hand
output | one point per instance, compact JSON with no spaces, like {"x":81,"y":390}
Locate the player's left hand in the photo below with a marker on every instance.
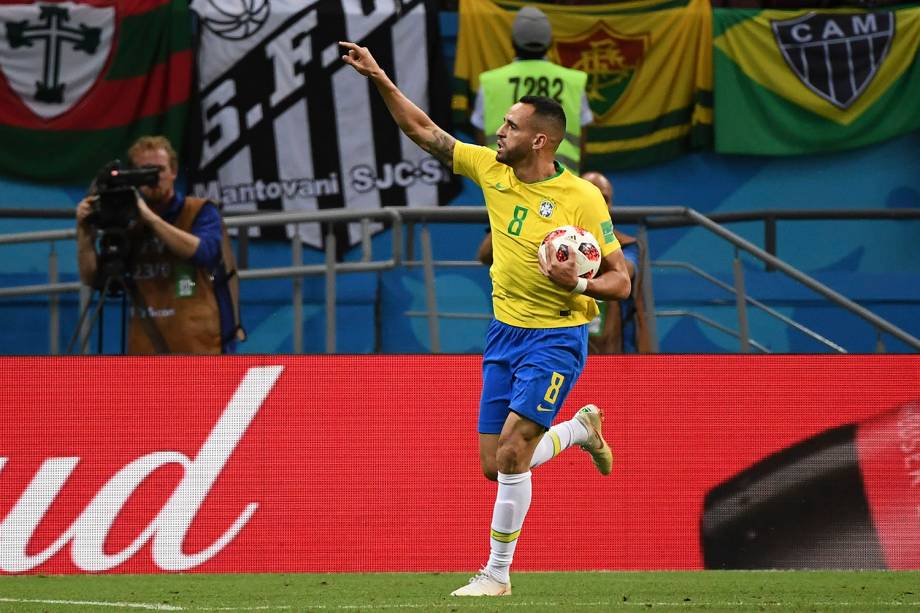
{"x":563,"y":274}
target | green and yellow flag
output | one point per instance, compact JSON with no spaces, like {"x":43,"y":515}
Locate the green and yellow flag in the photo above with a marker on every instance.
{"x":648,"y":63}
{"x":792,"y":82}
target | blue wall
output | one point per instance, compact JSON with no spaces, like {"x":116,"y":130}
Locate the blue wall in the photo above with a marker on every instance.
{"x":876,"y":263}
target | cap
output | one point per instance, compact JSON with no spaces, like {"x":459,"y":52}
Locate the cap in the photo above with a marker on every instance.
{"x":531,"y":30}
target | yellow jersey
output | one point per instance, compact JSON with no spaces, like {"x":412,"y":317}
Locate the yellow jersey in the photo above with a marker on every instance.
{"x":520,"y":216}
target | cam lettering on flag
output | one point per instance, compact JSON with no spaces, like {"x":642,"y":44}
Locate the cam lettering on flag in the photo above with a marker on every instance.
{"x":287,"y":126}
{"x":80,"y":81}
{"x":835,"y":56}
{"x":639,"y":117}
{"x":793,"y":82}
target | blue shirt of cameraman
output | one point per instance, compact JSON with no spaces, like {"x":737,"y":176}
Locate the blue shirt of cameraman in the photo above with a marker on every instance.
{"x":207,"y":227}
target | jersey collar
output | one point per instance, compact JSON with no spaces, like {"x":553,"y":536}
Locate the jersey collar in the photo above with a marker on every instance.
{"x":559,"y":170}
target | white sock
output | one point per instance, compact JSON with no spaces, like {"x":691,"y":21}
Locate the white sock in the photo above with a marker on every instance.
{"x":511,"y":504}
{"x":557,"y":439}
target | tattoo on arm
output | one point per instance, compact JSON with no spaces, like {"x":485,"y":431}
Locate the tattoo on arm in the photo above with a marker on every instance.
{"x":440,"y":144}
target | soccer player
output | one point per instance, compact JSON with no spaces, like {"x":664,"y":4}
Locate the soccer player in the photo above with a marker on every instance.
{"x":537,"y":344}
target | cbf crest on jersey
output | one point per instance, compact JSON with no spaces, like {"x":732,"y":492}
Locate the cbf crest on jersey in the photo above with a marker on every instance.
{"x":287,"y":126}
{"x":54,"y":53}
{"x":546,"y":209}
{"x":836,"y":55}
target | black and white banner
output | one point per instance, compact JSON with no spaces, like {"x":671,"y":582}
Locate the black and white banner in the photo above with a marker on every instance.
{"x":287,"y":126}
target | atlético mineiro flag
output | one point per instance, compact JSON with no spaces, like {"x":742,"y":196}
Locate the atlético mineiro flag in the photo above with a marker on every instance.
{"x":80,"y":80}
{"x":286,"y":125}
{"x":806,"y":81}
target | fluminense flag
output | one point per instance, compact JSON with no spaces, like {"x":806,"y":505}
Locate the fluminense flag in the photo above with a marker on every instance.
{"x":648,"y":63}
{"x":288,"y":126}
{"x":792,"y":82}
{"x":79,"y":81}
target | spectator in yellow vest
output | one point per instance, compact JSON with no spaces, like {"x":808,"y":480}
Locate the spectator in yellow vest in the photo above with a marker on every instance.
{"x":171,"y":253}
{"x":531,"y":74}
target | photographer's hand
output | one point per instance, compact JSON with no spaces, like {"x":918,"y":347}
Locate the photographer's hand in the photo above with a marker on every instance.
{"x":84,"y":208}
{"x":86,"y":248}
{"x":182,"y":243}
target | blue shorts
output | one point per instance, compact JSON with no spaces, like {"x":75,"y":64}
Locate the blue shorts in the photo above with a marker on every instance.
{"x":529,"y":371}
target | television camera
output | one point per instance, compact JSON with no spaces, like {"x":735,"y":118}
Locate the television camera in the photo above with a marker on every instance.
{"x":114,"y":215}
{"x":114,"y":211}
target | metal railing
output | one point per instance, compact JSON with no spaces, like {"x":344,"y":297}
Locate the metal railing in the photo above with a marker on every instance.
{"x":673,"y":216}
{"x":401,"y":221}
{"x":770,"y":218}
{"x":753,"y":302}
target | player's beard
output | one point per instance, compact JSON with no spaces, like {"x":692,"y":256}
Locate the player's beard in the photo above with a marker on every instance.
{"x":507,"y":156}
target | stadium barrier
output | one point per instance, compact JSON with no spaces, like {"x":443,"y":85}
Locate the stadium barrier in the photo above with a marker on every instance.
{"x":402,"y":245}
{"x":370,"y":463}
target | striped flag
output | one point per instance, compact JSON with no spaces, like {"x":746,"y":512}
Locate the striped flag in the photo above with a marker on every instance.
{"x":648,"y":65}
{"x":79,"y":81}
{"x":288,"y":126}
{"x":793,"y":82}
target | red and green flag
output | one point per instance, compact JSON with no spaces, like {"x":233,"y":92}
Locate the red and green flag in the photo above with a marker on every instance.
{"x":80,"y":81}
{"x":795,"y":82}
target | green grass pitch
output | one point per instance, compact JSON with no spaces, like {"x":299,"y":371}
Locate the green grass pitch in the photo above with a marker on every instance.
{"x":734,"y":591}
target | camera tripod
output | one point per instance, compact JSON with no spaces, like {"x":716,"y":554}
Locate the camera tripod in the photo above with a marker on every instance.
{"x":118,"y":282}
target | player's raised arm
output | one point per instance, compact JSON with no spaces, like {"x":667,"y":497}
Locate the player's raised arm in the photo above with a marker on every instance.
{"x":412,"y":120}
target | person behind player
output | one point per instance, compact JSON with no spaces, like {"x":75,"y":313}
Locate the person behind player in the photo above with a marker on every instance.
{"x":536,"y":345}
{"x":531,"y":38}
{"x":620,"y":327}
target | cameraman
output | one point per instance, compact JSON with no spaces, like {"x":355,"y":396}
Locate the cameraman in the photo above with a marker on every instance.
{"x":174,"y":250}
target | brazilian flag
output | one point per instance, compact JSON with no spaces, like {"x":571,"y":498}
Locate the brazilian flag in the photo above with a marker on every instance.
{"x":797,"y":82}
{"x":80,"y":81}
{"x":648,"y":63}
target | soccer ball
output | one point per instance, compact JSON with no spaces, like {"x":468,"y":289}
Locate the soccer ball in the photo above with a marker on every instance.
{"x":572,"y":241}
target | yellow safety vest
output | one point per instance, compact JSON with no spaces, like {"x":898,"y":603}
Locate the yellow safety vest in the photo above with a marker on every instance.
{"x":504,"y":86}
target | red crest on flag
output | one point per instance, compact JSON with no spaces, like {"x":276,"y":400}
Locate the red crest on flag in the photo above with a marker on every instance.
{"x":611,"y":60}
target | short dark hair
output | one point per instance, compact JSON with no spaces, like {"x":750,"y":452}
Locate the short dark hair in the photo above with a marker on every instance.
{"x":547,"y":108}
